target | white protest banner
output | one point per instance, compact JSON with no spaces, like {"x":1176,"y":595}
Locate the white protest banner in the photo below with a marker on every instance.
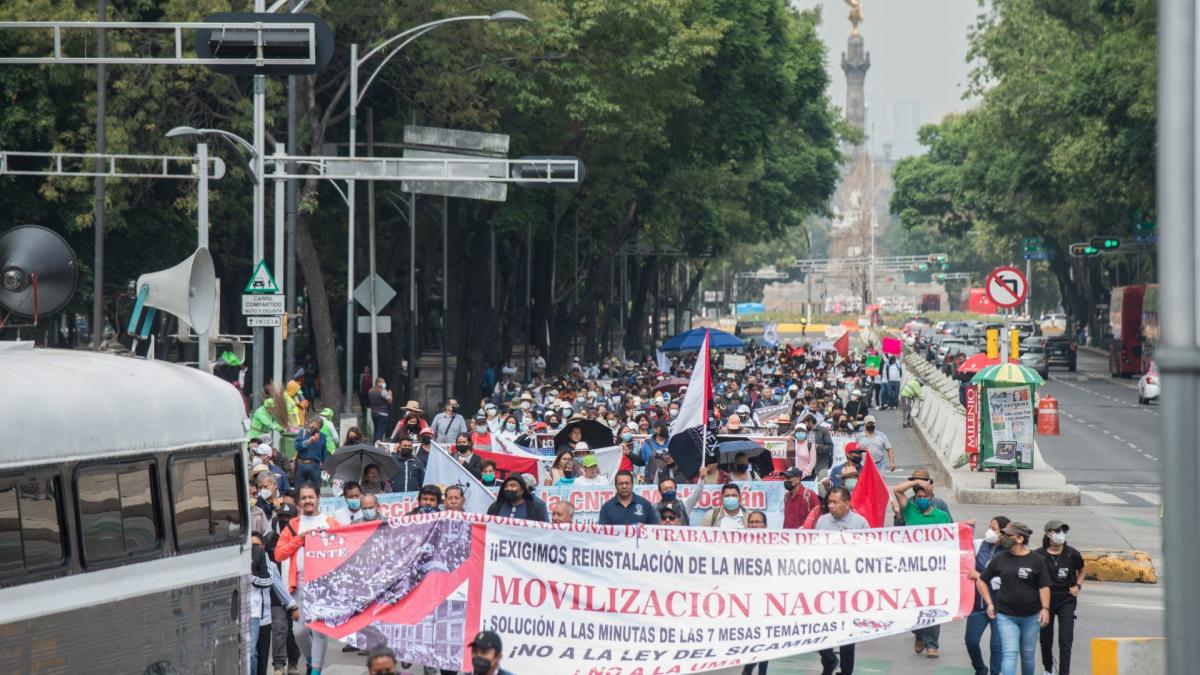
{"x":628,"y":600}
{"x":733,"y":362}
{"x":1010,"y":414}
{"x":840,"y":441}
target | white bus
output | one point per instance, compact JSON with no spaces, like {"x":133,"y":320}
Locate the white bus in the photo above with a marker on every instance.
{"x":124,"y":542}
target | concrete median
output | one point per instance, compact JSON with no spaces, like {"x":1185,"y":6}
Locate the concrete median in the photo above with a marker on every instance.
{"x":1129,"y":656}
{"x":1119,"y":565}
{"x":941,"y":425}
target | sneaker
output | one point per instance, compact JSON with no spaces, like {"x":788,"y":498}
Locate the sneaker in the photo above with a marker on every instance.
{"x":932,"y":652}
{"x":918,"y":645}
{"x":349,"y":648}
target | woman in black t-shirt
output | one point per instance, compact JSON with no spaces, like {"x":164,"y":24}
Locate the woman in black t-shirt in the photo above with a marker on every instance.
{"x":1065,"y":565}
{"x":1016,"y":589}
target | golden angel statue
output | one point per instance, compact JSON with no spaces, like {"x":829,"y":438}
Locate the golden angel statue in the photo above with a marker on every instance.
{"x":856,"y":15}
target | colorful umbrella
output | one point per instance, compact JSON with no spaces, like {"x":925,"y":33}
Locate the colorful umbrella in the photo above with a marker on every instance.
{"x":977,"y":362}
{"x":690,"y":341}
{"x":1008,"y":373}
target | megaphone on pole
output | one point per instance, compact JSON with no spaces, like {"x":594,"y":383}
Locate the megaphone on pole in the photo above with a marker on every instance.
{"x":187,"y":291}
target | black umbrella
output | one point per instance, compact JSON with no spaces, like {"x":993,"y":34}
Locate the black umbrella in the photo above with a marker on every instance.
{"x":760,"y":457}
{"x":595,"y":434}
{"x":348,"y":462}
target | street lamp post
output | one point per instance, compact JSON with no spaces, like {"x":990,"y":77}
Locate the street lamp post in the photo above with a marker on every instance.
{"x":356,"y":97}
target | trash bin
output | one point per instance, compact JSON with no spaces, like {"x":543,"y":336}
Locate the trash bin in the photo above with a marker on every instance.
{"x":287,"y":445}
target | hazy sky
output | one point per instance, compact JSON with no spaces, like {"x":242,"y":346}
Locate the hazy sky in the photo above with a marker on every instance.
{"x":918,"y":62}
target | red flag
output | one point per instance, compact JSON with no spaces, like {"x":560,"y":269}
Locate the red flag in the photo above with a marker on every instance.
{"x":871,"y":495}
{"x":842,"y":345}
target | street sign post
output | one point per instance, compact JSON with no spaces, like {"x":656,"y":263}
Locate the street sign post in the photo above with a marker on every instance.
{"x":1007,"y":287}
{"x":261,"y":282}
{"x":264,"y":321}
{"x":262,"y":305}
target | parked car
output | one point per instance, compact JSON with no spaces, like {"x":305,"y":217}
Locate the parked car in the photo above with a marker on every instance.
{"x":944,"y":347}
{"x":1026,"y":329}
{"x":1061,"y":351}
{"x":1149,"y":385}
{"x":1035,"y":356}
{"x":955,"y":357}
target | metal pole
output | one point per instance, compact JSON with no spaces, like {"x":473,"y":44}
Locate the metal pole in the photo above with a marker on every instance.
{"x":1029,"y":283}
{"x":292,"y":208}
{"x":202,"y":237}
{"x":808,"y":278}
{"x":371,"y":247}
{"x":445,"y":295}
{"x":1178,"y":356}
{"x":412,"y":295}
{"x":277,"y":349}
{"x":528,"y":299}
{"x":347,"y":407}
{"x":492,"y":263}
{"x":871,"y":222}
{"x":260,"y":106}
{"x":98,"y":205}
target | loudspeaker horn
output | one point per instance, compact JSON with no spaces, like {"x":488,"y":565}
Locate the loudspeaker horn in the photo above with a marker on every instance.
{"x":38,"y":271}
{"x":187,"y":290}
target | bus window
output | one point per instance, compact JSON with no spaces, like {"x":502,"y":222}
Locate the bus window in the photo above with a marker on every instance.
{"x":116,"y":512}
{"x":11,"y":557}
{"x":41,"y":523}
{"x":30,"y":526}
{"x":206,"y":494}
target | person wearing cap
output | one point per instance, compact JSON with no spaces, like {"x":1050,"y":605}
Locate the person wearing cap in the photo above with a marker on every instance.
{"x":918,"y":511}
{"x":591,"y":473}
{"x":854,"y":460}
{"x":798,"y":501}
{"x":425,"y":446}
{"x":486,"y":652}
{"x":858,"y":408}
{"x":481,"y":435}
{"x":265,"y":454}
{"x":330,"y":431}
{"x":876,"y":442}
{"x":668,"y":514}
{"x":412,"y":423}
{"x":448,"y":424}
{"x":515,"y":500}
{"x":627,"y":508}
{"x":1016,"y":590}
{"x":1066,"y":581}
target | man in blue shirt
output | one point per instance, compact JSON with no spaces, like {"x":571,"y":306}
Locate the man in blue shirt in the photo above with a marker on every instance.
{"x":310,"y":452}
{"x":627,"y":508}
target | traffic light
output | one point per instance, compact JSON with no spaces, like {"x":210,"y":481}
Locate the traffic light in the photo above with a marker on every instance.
{"x":1088,"y":250}
{"x":940,"y":276}
{"x":242,"y":45}
{"x":1106,"y":243}
{"x":938,"y":258}
{"x":923,"y":267}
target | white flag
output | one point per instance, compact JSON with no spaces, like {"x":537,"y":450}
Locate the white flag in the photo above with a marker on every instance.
{"x":444,"y":470}
{"x":664,"y":363}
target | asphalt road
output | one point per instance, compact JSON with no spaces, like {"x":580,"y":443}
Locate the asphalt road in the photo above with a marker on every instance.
{"x":1109,"y":444}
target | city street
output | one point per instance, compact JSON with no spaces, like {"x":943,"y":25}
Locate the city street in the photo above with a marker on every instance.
{"x":1105,"y":609}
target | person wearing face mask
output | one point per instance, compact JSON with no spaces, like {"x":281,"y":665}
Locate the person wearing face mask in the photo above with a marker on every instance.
{"x":1066,"y":581}
{"x":486,"y":652}
{"x":487,"y":472}
{"x":876,"y":442}
{"x":464,"y":452}
{"x":917,"y":511}
{"x":310,"y":452}
{"x":412,"y":423}
{"x":741,"y":471}
{"x":1015,"y":587}
{"x":369,"y":508}
{"x":564,"y":470}
{"x":289,"y":551}
{"x":515,"y":500}
{"x":857,"y":409}
{"x":921,"y":473}
{"x":352,"y":511}
{"x":798,"y":501}
{"x":977,"y":620}
{"x":654,"y":456}
{"x":509,"y":429}
{"x":266,"y":590}
{"x":839,"y":519}
{"x":448,"y":423}
{"x":854,"y":459}
{"x":731,"y":514}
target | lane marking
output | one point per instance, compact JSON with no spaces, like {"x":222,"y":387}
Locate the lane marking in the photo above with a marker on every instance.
{"x":1122,"y":605}
{"x":1104,"y":497}
{"x":1149,"y":496}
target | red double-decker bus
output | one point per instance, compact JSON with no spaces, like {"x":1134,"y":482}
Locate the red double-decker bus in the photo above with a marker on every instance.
{"x":1126,"y":338}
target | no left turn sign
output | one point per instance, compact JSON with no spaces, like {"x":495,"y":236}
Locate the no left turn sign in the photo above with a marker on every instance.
{"x":1007,"y":287}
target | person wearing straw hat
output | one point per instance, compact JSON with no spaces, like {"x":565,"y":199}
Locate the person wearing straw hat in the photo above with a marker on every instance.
{"x":412,"y":424}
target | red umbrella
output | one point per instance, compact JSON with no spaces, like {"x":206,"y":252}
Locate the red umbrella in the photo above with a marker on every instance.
{"x":976,"y":363}
{"x":672,"y":385}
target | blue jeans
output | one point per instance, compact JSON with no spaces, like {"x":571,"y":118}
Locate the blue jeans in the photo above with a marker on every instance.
{"x":1019,"y":635}
{"x":977,"y":622}
{"x":308,"y":472}
{"x":253,"y":655}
